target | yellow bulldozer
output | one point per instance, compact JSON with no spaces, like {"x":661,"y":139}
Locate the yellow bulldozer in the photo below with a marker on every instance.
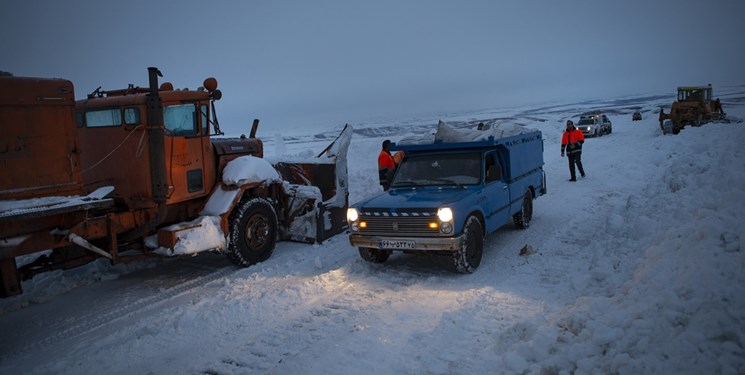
{"x":694,"y":106}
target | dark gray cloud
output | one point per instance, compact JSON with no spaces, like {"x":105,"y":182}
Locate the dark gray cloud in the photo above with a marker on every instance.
{"x":300,"y":63}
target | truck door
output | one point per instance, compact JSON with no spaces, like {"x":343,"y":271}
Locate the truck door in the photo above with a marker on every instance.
{"x":185,"y":131}
{"x":495,"y":189}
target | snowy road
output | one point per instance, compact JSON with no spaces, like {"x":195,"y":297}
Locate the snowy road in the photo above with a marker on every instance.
{"x":635,"y":269}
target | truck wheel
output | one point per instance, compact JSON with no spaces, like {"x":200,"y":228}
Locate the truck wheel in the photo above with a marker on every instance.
{"x":468,"y":257}
{"x":374,"y":255}
{"x":523,"y":217}
{"x":253,"y":232}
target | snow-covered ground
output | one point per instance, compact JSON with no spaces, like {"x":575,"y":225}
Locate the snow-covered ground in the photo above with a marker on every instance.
{"x":636,"y":269}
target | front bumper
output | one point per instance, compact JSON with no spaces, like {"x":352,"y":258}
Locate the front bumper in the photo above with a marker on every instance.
{"x":422,"y":243}
{"x":586,"y":131}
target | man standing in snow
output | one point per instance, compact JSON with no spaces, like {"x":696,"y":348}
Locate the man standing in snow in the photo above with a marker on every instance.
{"x":572,"y":141}
{"x":386,"y":165}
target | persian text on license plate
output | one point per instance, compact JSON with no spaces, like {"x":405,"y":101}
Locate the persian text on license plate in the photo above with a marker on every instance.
{"x":388,"y":244}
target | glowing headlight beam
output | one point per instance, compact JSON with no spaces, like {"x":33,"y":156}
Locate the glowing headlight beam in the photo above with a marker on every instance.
{"x":445,"y":214}
{"x":352,"y":214}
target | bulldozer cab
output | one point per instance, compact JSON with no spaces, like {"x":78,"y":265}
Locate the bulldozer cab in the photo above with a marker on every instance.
{"x":694,"y":93}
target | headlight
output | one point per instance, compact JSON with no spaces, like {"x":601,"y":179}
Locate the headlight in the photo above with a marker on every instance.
{"x":445,"y":214}
{"x":352,"y":214}
{"x":446,"y":228}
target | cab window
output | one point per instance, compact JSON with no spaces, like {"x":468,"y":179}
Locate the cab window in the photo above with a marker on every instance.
{"x":131,"y":116}
{"x":103,"y":117}
{"x":205,"y":119}
{"x":180,"y":120}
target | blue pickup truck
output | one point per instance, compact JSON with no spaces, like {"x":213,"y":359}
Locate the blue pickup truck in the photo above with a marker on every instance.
{"x":445,"y":197}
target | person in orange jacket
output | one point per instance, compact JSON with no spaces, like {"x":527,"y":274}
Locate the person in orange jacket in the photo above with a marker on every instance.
{"x":572,"y":141}
{"x":386,"y":165}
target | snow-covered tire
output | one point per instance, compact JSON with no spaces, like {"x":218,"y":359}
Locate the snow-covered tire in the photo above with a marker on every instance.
{"x":253,"y":232}
{"x":374,"y":255}
{"x":523,"y":217}
{"x":468,"y":258}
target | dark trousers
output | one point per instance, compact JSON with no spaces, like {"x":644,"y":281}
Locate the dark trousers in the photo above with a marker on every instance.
{"x":575,"y":158}
{"x":385,"y":176}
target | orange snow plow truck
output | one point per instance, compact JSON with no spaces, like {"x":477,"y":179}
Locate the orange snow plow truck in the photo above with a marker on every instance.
{"x":138,"y":172}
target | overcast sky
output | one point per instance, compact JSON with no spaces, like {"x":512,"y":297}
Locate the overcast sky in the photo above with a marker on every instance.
{"x":307,"y":63}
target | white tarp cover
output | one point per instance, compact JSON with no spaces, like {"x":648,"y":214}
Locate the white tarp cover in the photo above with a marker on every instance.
{"x":448,"y":133}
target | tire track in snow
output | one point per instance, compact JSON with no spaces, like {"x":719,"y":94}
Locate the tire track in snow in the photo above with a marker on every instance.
{"x":84,"y":324}
{"x":343,"y":298}
{"x":270,"y":344}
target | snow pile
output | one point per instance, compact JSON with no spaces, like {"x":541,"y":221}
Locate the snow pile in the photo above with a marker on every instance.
{"x":681,"y":309}
{"x":249,"y":169}
{"x":200,"y":234}
{"x":220,"y":201}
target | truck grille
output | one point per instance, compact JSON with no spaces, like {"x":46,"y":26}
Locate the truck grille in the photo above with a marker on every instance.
{"x":399,"y":226}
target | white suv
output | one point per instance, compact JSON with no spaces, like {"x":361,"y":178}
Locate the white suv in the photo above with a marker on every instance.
{"x":595,"y":125}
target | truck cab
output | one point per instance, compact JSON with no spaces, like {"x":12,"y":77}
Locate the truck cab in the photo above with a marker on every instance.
{"x":119,"y":120}
{"x":445,"y":197}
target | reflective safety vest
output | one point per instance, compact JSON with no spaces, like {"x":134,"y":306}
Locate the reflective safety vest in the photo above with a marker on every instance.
{"x":385,"y":160}
{"x":572,"y":141}
{"x":385,"y":167}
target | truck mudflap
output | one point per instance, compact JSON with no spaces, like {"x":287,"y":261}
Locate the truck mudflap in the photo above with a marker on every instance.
{"x":318,"y":193}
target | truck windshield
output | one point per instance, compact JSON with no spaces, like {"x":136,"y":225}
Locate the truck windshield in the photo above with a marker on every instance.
{"x":586,"y":122}
{"x":180,"y":120}
{"x":439,"y":170}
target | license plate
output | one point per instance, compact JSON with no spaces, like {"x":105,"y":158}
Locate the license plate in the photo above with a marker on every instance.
{"x":389,"y":244}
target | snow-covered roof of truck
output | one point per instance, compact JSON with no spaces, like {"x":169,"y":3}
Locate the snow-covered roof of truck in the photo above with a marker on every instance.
{"x":448,"y":137}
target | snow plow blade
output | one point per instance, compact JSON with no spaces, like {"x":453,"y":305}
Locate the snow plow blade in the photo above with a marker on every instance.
{"x":319,"y":192}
